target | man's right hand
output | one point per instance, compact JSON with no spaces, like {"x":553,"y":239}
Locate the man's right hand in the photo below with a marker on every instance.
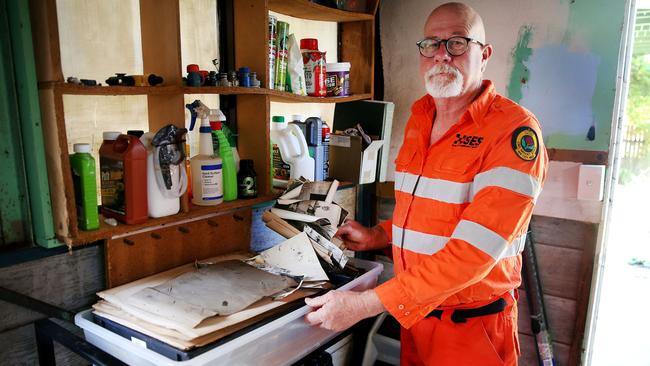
{"x":359,"y":238}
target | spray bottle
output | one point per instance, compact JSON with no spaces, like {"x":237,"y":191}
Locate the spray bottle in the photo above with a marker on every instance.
{"x":207,"y":177}
{"x":221,"y":147}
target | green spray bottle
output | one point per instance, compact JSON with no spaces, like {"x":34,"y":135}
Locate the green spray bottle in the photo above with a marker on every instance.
{"x":222,"y":148}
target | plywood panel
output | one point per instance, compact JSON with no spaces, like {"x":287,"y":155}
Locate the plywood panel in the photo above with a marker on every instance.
{"x":580,"y":156}
{"x":69,"y":280}
{"x":560,"y":270}
{"x":133,"y":257}
{"x":529,"y":354}
{"x":563,"y":233}
{"x":561,"y":317}
{"x":18,"y":347}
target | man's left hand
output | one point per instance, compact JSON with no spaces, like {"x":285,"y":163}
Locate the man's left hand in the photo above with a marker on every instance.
{"x":339,"y":310}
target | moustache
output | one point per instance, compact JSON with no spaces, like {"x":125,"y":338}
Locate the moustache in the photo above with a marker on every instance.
{"x":439,"y":69}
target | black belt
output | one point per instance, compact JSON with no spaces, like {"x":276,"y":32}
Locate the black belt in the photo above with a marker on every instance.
{"x":461,"y":315}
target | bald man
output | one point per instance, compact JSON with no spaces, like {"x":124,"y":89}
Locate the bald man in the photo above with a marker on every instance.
{"x":467,"y":176}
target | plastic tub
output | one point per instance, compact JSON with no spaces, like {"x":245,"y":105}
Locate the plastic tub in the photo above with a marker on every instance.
{"x":280,"y":342}
{"x":337,"y":80}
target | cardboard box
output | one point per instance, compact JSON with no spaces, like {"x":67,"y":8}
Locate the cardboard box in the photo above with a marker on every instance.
{"x":376,"y":118}
{"x":348,"y":163}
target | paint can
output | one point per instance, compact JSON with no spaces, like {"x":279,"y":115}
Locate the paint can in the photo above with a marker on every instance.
{"x":338,"y":79}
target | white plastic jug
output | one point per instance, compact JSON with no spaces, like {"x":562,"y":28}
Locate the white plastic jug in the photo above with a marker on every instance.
{"x":162,"y":202}
{"x":294,"y":151}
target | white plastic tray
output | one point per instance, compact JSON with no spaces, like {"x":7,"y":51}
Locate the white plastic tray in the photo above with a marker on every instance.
{"x":280,"y":342}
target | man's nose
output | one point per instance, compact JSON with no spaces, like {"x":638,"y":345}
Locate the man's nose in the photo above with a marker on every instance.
{"x":441,"y":54}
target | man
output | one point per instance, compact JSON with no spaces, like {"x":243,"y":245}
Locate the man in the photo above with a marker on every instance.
{"x":467,"y":176}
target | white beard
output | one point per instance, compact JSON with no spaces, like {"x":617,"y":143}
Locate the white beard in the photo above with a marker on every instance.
{"x":443,"y":81}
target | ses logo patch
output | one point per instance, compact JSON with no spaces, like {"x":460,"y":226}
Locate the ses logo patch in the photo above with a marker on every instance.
{"x":525,"y":143}
{"x":467,"y":141}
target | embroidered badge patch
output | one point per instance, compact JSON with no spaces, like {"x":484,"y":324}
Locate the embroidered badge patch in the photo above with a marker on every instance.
{"x":525,"y":143}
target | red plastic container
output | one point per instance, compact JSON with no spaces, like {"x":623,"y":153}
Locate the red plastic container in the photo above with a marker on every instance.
{"x":123,"y":172}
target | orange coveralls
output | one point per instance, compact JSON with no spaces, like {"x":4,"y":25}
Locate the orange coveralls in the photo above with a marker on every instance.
{"x":462,"y":209}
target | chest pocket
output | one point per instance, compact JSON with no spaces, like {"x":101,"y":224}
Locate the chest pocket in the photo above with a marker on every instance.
{"x":404,"y":157}
{"x":459,"y":165}
{"x":408,"y":150}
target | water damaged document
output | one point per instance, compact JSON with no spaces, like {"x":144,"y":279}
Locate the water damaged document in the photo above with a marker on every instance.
{"x":308,"y":207}
{"x":198,"y":303}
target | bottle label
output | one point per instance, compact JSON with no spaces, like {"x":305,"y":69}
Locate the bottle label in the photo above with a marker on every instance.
{"x":248,"y":187}
{"x":211,"y":182}
{"x":112,"y":185}
{"x":281,"y":170}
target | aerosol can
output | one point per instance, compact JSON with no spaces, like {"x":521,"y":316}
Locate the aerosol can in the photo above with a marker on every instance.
{"x":207,"y":173}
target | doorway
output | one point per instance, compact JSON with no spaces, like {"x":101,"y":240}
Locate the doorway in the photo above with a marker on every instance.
{"x":621,"y":322}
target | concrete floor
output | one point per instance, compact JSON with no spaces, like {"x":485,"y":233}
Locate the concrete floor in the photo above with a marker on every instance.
{"x":623,"y":323}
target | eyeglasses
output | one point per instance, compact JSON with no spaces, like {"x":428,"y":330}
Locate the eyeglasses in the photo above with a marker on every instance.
{"x":456,"y":46}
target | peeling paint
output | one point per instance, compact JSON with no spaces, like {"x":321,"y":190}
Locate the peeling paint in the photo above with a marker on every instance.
{"x":520,"y":53}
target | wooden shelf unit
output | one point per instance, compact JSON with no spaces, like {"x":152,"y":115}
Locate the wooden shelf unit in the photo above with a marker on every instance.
{"x":160,"y":25}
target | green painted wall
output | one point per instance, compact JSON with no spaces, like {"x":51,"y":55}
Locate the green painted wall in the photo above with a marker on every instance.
{"x":594,"y":30}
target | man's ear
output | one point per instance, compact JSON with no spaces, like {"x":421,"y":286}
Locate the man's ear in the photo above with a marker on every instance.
{"x":485,"y":56}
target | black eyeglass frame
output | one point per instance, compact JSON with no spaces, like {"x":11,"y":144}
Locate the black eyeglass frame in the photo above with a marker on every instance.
{"x":446,"y":41}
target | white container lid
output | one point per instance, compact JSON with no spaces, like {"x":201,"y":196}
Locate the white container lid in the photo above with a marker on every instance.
{"x":81,"y":148}
{"x":338,"y":66}
{"x":111,"y":135}
{"x":297,"y":117}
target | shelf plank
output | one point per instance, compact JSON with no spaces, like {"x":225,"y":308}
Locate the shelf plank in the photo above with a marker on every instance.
{"x":223,"y":90}
{"x":305,"y":9}
{"x":106,"y":232}
{"x":284,"y":97}
{"x":74,"y":89}
{"x":276,"y":95}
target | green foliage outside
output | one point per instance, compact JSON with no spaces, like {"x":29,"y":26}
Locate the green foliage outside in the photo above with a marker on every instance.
{"x":638,"y":117}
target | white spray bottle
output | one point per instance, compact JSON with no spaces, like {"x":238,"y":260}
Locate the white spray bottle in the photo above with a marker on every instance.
{"x":207,"y":177}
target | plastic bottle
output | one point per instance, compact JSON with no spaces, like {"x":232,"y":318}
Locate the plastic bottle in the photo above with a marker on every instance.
{"x":160,"y":201}
{"x":85,"y":187}
{"x":123,"y":169}
{"x":217,"y":116}
{"x":207,"y":177}
{"x":247,"y":180}
{"x":293,"y":149}
{"x":224,"y":151}
{"x":280,"y":171}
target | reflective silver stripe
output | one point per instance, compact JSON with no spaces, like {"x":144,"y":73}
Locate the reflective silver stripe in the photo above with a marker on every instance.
{"x":507,"y":178}
{"x":481,"y":237}
{"x":516,"y":247}
{"x":443,"y":190}
{"x":405,"y":182}
{"x":477,"y":235}
{"x":436,"y":189}
{"x":418,"y":242}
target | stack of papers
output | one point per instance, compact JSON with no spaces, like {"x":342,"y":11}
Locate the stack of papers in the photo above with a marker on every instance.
{"x":199,"y":303}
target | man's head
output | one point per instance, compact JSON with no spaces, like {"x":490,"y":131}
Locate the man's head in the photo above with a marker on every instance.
{"x":453,"y":68}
